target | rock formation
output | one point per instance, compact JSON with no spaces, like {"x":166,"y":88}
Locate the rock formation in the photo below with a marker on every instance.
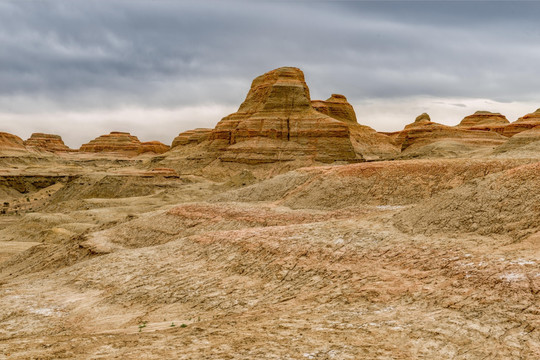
{"x":46,"y":142}
{"x":366,"y":141}
{"x":422,"y":119}
{"x":11,"y":142}
{"x":195,"y":136}
{"x":155,"y":147}
{"x":115,"y":142}
{"x":123,"y":143}
{"x":485,"y":120}
{"x":337,"y":107}
{"x":277,"y":122}
{"x":524,"y":123}
{"x":423,"y":132}
{"x":525,"y":144}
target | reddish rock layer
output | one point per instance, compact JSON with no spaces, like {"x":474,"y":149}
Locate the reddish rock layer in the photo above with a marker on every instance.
{"x":524,"y":123}
{"x":423,"y":132}
{"x":485,"y":120}
{"x":123,"y":143}
{"x":195,"y":136}
{"x":47,"y":142}
{"x":155,"y":147}
{"x":365,"y":140}
{"x":277,"y":122}
{"x":115,"y":142}
{"x":337,"y":107}
{"x":11,"y":142}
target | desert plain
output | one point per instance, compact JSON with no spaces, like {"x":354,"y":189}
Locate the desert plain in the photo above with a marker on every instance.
{"x":288,"y":231}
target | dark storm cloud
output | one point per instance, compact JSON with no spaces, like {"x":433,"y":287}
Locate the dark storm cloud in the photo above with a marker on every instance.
{"x":98,"y":55}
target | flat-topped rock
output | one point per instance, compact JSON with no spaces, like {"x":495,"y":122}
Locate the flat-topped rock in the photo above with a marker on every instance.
{"x":486,"y":121}
{"x":423,"y":132}
{"x":337,"y":107}
{"x":277,"y":122}
{"x":47,"y":142}
{"x":195,"y":136}
{"x":115,"y":142}
{"x":123,"y":143}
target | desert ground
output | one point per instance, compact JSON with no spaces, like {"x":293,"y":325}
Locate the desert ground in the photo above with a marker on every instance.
{"x":307,"y":237}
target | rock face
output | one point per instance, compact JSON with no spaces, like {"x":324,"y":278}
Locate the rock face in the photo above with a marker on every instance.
{"x":155,"y":147}
{"x":195,"y":136}
{"x":365,"y":140}
{"x":525,"y":144}
{"x":485,"y":120}
{"x":277,"y":122}
{"x":11,"y":142}
{"x":123,"y":143}
{"x":423,"y":132}
{"x":524,"y":123}
{"x":337,"y":107}
{"x":422,"y":119}
{"x":115,"y":142}
{"x":47,"y":142}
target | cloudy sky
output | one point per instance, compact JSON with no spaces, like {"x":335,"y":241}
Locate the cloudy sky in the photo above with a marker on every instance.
{"x":155,"y":68}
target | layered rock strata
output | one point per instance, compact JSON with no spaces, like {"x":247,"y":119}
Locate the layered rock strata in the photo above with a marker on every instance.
{"x":11,"y":142}
{"x":337,"y":107}
{"x":365,"y":140}
{"x":195,"y":136}
{"x":423,"y":132}
{"x":123,"y":143}
{"x":277,"y":122}
{"x":115,"y":142}
{"x":524,"y":123}
{"x":154,"y":147}
{"x":486,"y":121}
{"x":47,"y":142}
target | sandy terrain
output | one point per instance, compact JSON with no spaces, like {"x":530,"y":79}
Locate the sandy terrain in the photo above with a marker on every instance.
{"x":336,"y":262}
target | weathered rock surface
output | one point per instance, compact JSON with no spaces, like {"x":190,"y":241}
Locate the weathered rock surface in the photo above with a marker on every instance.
{"x":123,"y":143}
{"x":486,"y":121}
{"x":277,"y":122}
{"x":195,"y":136}
{"x":388,"y":183}
{"x":116,"y":142}
{"x":155,"y":147}
{"x":365,"y":140}
{"x":525,"y":144}
{"x":424,"y":132}
{"x":11,"y":142}
{"x":524,"y":123}
{"x":337,"y":107}
{"x":502,"y":203}
{"x":47,"y":142}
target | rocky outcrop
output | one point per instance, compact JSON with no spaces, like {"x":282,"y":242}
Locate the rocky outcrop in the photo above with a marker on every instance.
{"x":153,"y":147}
{"x":195,"y":136}
{"x":525,"y":144}
{"x":486,"y":121}
{"x":524,"y":123}
{"x":422,"y":119}
{"x":365,"y":140}
{"x":424,"y":132}
{"x":337,"y":107}
{"x":47,"y":142}
{"x":115,"y":142}
{"x":277,"y":122}
{"x":123,"y":143}
{"x":11,"y":142}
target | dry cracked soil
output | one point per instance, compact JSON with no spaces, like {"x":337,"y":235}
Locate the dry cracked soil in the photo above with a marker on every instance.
{"x":411,"y":259}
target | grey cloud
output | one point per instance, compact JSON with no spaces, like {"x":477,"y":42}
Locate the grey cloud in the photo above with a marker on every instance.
{"x":99,"y":55}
